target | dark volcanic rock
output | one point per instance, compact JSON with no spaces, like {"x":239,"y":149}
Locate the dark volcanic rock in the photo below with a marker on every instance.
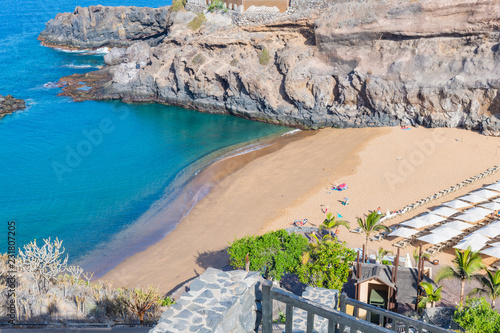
{"x":98,"y":26}
{"x":9,"y":104}
{"x":370,"y":63}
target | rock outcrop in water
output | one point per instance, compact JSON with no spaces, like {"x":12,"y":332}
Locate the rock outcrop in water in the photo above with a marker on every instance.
{"x":98,"y":26}
{"x":9,"y":104}
{"x":431,"y":63}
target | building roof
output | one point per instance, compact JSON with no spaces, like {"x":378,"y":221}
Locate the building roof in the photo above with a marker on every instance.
{"x":406,"y":284}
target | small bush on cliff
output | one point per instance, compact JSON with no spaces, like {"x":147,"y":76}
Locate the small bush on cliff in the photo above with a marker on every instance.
{"x":177,"y":5}
{"x":139,"y":300}
{"x":216,"y":5}
{"x":326,"y":265}
{"x":273,"y":253}
{"x":196,"y":23}
{"x":264,"y":57}
{"x":198,"y":59}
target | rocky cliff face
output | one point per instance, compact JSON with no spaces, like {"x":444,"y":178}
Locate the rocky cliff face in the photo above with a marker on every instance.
{"x":434,"y":63}
{"x":9,"y":104}
{"x":98,"y":26}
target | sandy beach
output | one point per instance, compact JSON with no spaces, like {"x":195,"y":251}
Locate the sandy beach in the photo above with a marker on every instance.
{"x":383,"y":167}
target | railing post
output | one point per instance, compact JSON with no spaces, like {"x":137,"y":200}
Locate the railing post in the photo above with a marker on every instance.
{"x":267,"y":307}
{"x":343,"y":308}
{"x":289,"y":318}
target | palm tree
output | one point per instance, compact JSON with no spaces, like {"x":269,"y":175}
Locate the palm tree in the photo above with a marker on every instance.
{"x":381,"y":252}
{"x":432,"y":295}
{"x":369,"y":224}
{"x":332,"y":223}
{"x":415,"y":256}
{"x":491,"y":286}
{"x":466,"y":264}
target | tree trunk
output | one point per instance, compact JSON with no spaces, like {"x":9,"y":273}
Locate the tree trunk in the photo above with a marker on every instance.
{"x":365,"y":255}
{"x":493,"y":303}
{"x":462,"y":292}
{"x":141,"y":316}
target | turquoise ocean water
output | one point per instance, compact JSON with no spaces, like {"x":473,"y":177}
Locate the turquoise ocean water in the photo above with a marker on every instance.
{"x":95,"y":174}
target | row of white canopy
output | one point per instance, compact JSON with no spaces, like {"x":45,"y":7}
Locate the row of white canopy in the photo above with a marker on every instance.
{"x":478,"y":239}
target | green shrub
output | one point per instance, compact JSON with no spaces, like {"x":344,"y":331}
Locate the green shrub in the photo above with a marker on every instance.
{"x":196,"y":23}
{"x":177,"y":5}
{"x":167,"y":301}
{"x":326,"y":265}
{"x":216,"y":4}
{"x":273,"y":253}
{"x":264,"y":57}
{"x":477,"y":316}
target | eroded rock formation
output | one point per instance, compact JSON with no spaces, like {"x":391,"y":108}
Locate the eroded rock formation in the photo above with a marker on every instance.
{"x":433,"y":63}
{"x":9,"y":104}
{"x":99,"y":26}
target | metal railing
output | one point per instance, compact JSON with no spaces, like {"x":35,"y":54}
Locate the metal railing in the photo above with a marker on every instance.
{"x":399,"y":323}
{"x":336,"y":319}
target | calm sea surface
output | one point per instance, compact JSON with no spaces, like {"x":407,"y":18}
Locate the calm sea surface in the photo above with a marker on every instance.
{"x":95,"y":174}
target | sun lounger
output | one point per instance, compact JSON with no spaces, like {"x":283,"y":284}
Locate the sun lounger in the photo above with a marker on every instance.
{"x":356,"y":231}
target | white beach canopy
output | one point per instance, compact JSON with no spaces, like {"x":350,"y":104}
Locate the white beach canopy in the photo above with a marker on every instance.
{"x":444,"y":211}
{"x":446,"y":231}
{"x":423,"y":221}
{"x":469,"y":217}
{"x":459,"y":225}
{"x":495,"y":244}
{"x":479,"y":211}
{"x":485,"y":193}
{"x":457,"y":204}
{"x":492,"y":205}
{"x":492,"y":251}
{"x":494,"y":187}
{"x":475,"y":241}
{"x":403,"y":232}
{"x":489,"y":231}
{"x":434,"y":238}
{"x":473,"y":198}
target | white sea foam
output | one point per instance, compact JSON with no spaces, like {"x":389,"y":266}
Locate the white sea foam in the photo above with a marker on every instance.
{"x":291,"y":132}
{"x":101,"y":50}
{"x":80,"y":66}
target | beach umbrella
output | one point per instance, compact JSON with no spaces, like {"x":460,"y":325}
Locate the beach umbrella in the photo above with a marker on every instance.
{"x":479,"y":211}
{"x":475,"y":241}
{"x":457,"y":204}
{"x":473,"y":198}
{"x":459,"y":225}
{"x":485,"y":193}
{"x":497,"y":223}
{"x":494,"y":187}
{"x":423,"y":221}
{"x":447,"y":231}
{"x":495,"y":244}
{"x":403,"y":232}
{"x":444,"y":211}
{"x":434,"y":238}
{"x":492,"y":251}
{"x":489,"y":231}
{"x":408,"y":261}
{"x":492,"y":205}
{"x":469,"y":218}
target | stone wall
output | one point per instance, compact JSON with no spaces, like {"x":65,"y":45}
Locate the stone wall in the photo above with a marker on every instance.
{"x":217,"y":301}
